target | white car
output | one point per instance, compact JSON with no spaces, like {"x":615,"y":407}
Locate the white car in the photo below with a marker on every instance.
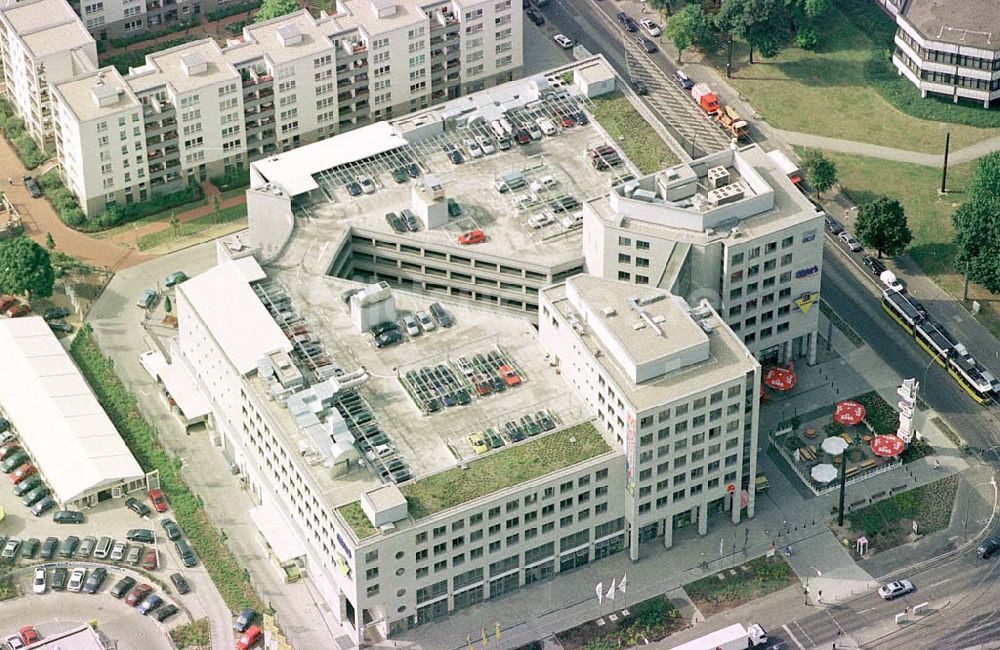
{"x":474,"y":149}
{"x":76,"y":579}
{"x":410,"y":324}
{"x":425,"y":320}
{"x":650,"y":27}
{"x":851,"y":242}
{"x":367,"y":185}
{"x":40,"y":583}
{"x":11,"y":548}
{"x":487,"y":146}
{"x":14,"y":642}
{"x":895,"y":589}
{"x":564,"y":42}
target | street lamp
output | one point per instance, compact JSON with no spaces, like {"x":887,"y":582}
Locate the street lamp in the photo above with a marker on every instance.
{"x":838,"y":447}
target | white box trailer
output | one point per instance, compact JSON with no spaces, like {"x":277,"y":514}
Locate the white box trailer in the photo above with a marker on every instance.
{"x":734,"y":637}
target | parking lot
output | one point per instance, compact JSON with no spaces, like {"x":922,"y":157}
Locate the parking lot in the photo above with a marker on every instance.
{"x":456,"y":383}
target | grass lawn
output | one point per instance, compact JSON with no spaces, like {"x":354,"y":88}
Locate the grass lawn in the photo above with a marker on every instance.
{"x":741,"y":584}
{"x":357,"y":520}
{"x":887,"y":523}
{"x":839,"y":91}
{"x":193,"y":634}
{"x":152,"y":218}
{"x":193,"y":227}
{"x":502,"y":469}
{"x":650,"y":620}
{"x":632,"y":133}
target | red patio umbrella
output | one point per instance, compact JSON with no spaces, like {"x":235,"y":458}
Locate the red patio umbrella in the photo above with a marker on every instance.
{"x":887,"y":445}
{"x":780,"y":378}
{"x":849,"y":413}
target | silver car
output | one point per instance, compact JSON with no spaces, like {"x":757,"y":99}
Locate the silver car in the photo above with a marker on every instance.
{"x":896,"y":589}
{"x":118,"y":552}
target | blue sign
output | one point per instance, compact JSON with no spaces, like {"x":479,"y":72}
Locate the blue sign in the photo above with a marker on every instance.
{"x":343,"y":545}
{"x":808,"y":236}
{"x":805,"y":273}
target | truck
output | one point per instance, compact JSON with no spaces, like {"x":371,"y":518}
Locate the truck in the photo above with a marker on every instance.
{"x":787,"y":167}
{"x":732,"y":122}
{"x":704,"y":97}
{"x":734,"y":637}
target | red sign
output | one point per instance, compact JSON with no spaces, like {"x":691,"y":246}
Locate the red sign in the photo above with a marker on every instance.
{"x":887,"y":445}
{"x":730,"y":488}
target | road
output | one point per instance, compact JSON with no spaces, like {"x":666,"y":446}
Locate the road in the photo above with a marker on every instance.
{"x":854,"y":297}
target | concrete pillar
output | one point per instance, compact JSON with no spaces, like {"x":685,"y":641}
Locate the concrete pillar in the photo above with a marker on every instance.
{"x":813,"y":340}
{"x":703,"y":519}
{"x":668,"y":532}
{"x":735,"y":509}
{"x":633,"y":544}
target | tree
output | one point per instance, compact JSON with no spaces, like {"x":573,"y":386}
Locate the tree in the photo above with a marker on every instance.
{"x":882,"y":225}
{"x":175,"y":223}
{"x":25,"y":268}
{"x":820,"y":170}
{"x":50,"y":243}
{"x":216,"y":214}
{"x":167,"y":305}
{"x":273,"y":8}
{"x":761,"y":23}
{"x":802,"y":10}
{"x":689,"y":26}
{"x":985,"y":181}
{"x":977,"y":236}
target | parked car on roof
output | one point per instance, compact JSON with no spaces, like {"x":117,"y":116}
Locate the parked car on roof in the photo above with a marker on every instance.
{"x":472,"y":237}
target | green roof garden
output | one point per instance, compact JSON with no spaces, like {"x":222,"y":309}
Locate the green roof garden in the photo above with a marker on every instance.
{"x":357,"y":520}
{"x":503,"y":469}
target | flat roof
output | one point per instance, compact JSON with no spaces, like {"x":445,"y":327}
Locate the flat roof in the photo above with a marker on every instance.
{"x":78,"y":94}
{"x":970,"y":23}
{"x":789,"y":208}
{"x":284,"y":544}
{"x":32,"y":16}
{"x":165,"y":67}
{"x":178,"y":382}
{"x":667,"y":331}
{"x":83,"y":637}
{"x":57,"y":417}
{"x":58,"y":38}
{"x":233,"y":313}
{"x":313,"y":35}
{"x":728,"y":358}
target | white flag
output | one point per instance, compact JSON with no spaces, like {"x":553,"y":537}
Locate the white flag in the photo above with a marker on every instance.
{"x":621,"y":585}
{"x":611,"y":591}
{"x":600,"y":592}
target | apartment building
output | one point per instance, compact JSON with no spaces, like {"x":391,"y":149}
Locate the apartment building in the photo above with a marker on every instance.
{"x":729,"y":228}
{"x":210,"y":109}
{"x":386,"y":556}
{"x":42,"y":43}
{"x":948,"y":49}
{"x":672,"y":385}
{"x":108,"y":19}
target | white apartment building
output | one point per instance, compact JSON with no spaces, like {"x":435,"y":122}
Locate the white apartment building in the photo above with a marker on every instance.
{"x":381,"y":565}
{"x":42,"y":43}
{"x":210,"y":109}
{"x":729,"y":228}
{"x":672,"y":386}
{"x":949,"y":49}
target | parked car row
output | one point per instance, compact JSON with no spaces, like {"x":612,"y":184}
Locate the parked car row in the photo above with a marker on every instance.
{"x":15,"y":462}
{"x":390,"y":333}
{"x":435,"y":386}
{"x":512,"y":431}
{"x":27,"y":634}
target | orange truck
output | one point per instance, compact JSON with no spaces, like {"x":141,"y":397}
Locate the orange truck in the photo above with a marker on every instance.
{"x":704,"y":97}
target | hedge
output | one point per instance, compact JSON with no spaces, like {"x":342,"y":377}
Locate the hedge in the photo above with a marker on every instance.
{"x":146,"y":36}
{"x":232,"y":181}
{"x":61,"y":199}
{"x":232,"y":10}
{"x":121,"y":406}
{"x":24,"y":145}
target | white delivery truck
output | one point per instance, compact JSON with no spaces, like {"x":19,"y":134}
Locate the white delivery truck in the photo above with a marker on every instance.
{"x":734,"y":637}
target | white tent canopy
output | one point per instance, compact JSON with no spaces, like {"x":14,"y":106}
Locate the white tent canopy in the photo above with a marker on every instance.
{"x":57,"y":417}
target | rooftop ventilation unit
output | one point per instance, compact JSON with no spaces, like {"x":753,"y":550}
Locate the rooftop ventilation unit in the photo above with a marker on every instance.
{"x":608,"y":312}
{"x":726,"y":194}
{"x":718,"y":177}
{"x":735,"y":232}
{"x":707,"y":326}
{"x":650,"y":299}
{"x":193,"y":63}
{"x":289,"y":35}
{"x":104,"y":94}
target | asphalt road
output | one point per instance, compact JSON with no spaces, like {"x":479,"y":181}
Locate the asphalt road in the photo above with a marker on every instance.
{"x":854,"y":297}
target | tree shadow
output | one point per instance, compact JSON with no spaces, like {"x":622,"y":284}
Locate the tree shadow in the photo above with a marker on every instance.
{"x":933,"y":258}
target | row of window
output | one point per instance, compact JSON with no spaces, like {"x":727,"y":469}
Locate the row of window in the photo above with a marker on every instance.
{"x":947,"y":58}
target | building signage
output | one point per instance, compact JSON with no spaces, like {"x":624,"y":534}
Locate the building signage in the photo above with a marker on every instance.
{"x":806,"y":301}
{"x":806,"y":272}
{"x":808,"y":236}
{"x":343,"y":545}
{"x":630,"y":453}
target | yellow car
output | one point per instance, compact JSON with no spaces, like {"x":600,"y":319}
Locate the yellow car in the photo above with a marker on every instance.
{"x":478,"y":443}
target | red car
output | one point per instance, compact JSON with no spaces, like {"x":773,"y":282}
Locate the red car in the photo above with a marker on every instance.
{"x":566,"y":121}
{"x":472,"y":237}
{"x":29,"y":634}
{"x":509,"y":376}
{"x":138,"y":594}
{"x":249,"y":638}
{"x":22,"y":472}
{"x":159,"y":501}
{"x":18,"y":310}
{"x":149,"y":561}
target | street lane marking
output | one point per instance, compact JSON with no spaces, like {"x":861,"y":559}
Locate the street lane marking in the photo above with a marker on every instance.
{"x":941,"y":582}
{"x":792,"y":636}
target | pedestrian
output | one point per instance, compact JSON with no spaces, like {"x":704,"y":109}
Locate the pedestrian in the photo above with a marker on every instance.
{"x":10,"y":180}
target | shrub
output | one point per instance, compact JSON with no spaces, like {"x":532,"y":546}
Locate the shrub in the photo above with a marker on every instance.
{"x":62,"y":199}
{"x":232,"y":181}
{"x":807,"y":38}
{"x":145,"y":36}
{"x":232,"y":10}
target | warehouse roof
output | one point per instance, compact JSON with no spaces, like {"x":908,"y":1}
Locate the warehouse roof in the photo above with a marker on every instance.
{"x":57,"y":416}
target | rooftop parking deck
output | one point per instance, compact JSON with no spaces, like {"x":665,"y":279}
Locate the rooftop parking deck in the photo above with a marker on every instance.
{"x":423,"y":441}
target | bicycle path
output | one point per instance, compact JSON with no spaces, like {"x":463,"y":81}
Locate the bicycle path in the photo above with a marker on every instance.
{"x":966,"y":154}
